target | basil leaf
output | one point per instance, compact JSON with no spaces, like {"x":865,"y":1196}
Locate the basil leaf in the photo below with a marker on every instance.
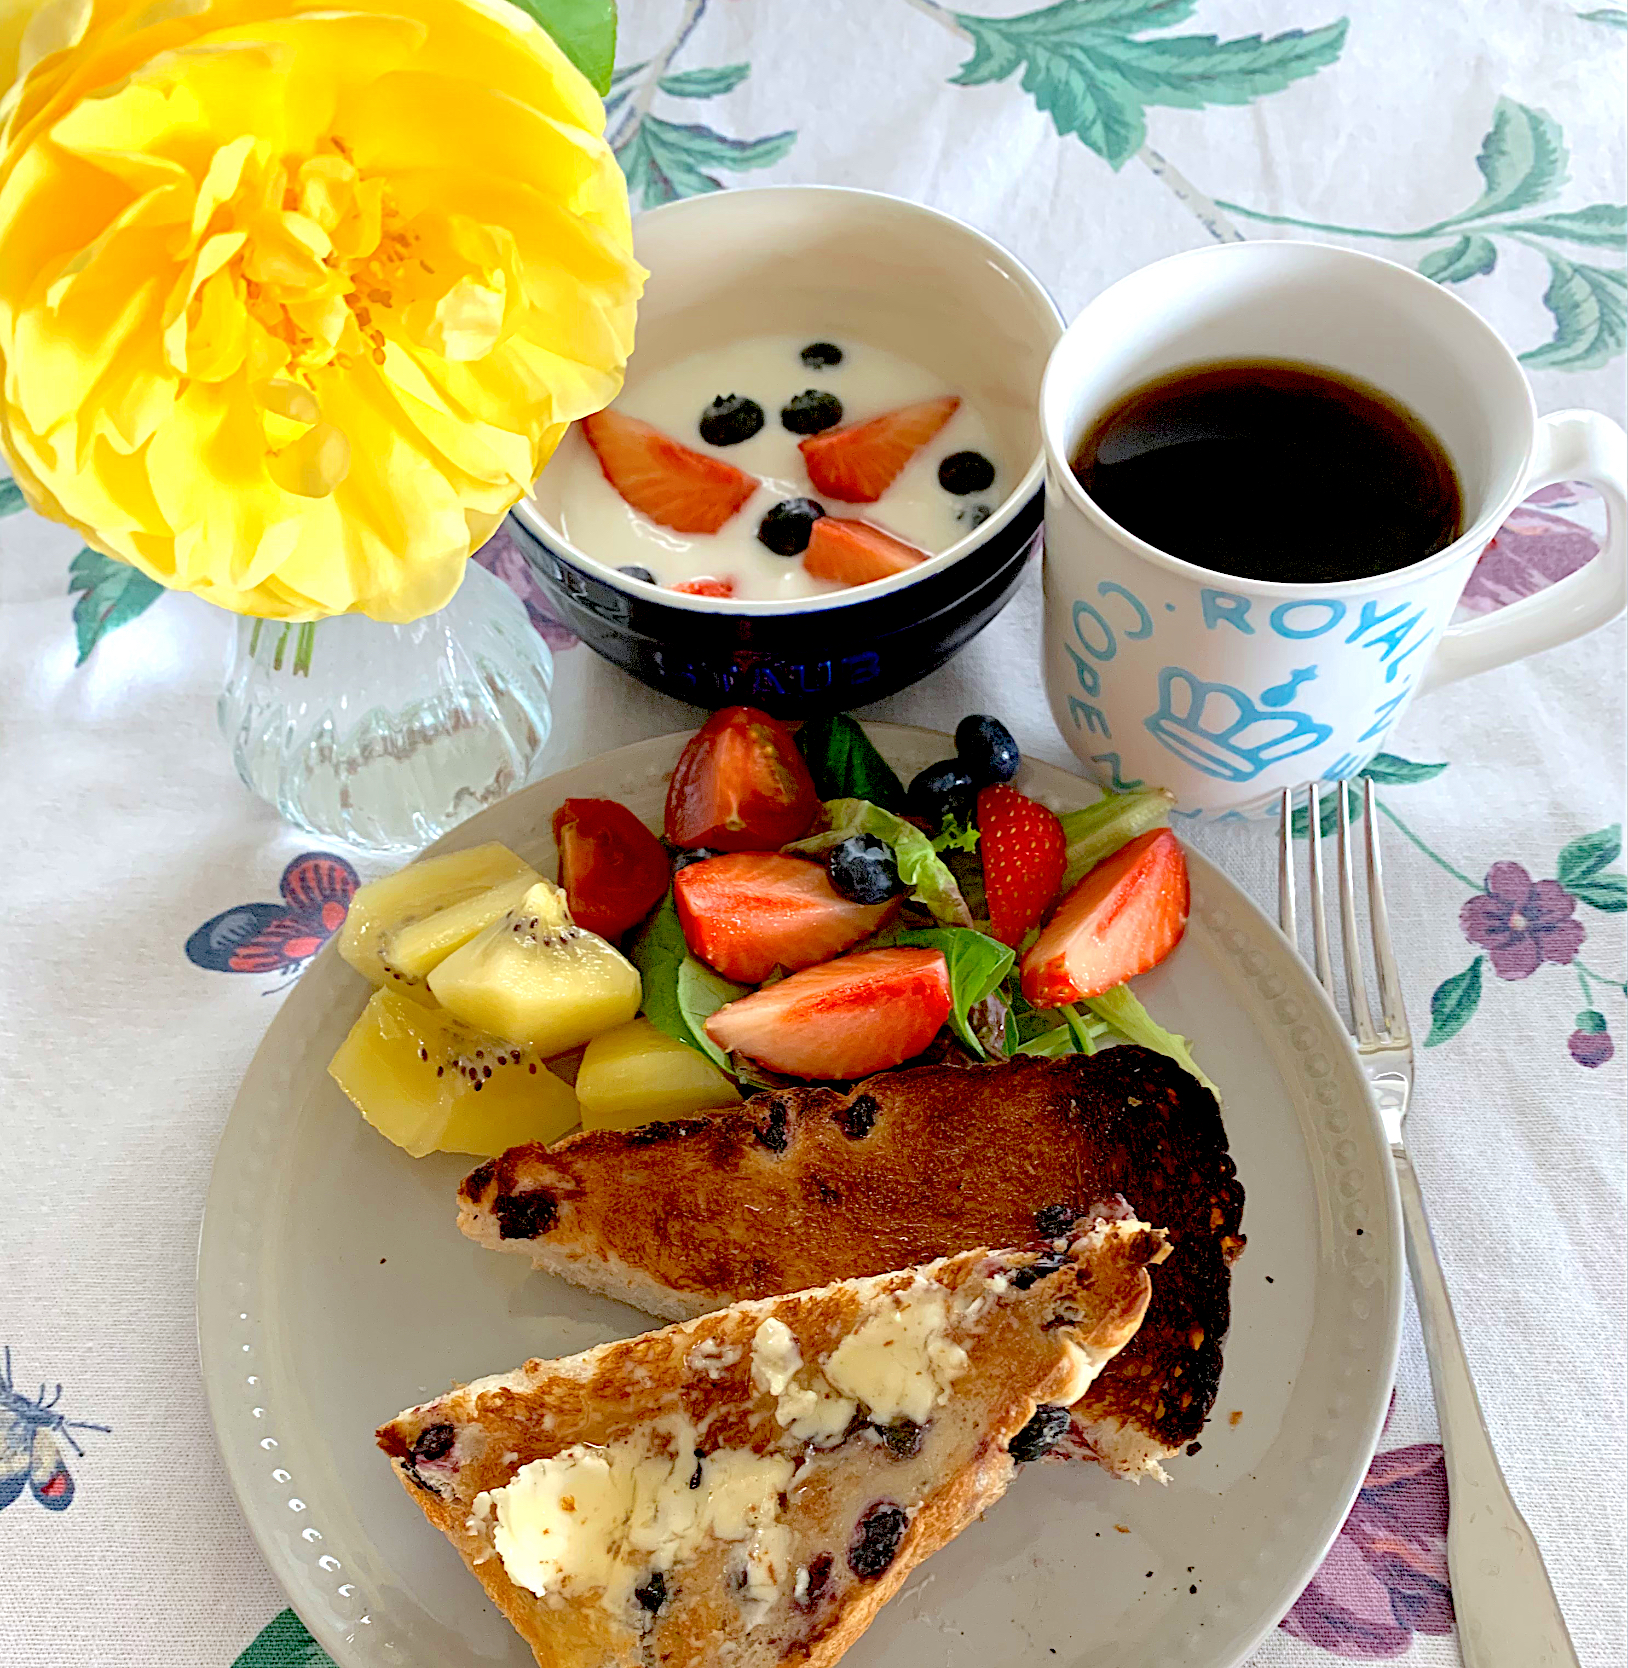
{"x":1134,"y":1023}
{"x":679,"y":991}
{"x":1101,"y":829}
{"x":845,"y":765}
{"x":977,"y":965}
{"x":920,"y":867}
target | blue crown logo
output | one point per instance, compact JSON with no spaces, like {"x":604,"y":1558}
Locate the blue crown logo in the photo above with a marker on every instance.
{"x":1221,"y":731}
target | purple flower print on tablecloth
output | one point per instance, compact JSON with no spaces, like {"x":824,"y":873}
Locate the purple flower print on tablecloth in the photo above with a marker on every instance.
{"x":1521,"y":922}
{"x":499,"y":555}
{"x":1385,"y":1577}
{"x":1534,"y":548}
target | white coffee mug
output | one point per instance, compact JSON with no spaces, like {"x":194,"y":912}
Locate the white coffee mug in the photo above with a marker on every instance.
{"x":1227,"y":690}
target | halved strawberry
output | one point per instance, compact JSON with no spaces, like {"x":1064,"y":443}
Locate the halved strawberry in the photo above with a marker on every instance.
{"x":681,"y":489}
{"x":749,"y":912}
{"x":1024,"y":852}
{"x":854,"y":552}
{"x":847,"y":1018}
{"x":706,"y":586}
{"x":859,"y":463}
{"x":1124,"y":917}
{"x":612,"y":867}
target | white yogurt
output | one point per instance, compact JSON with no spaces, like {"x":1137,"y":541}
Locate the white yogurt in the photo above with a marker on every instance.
{"x":769,"y":369}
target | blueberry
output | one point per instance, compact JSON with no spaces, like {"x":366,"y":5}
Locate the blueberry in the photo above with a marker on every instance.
{"x":639,"y":573}
{"x":775,"y":1130}
{"x":524,"y":1215}
{"x":786,"y":528}
{"x":945,"y":789}
{"x":811,"y":411}
{"x":819,"y":1573}
{"x":876,"y":1538}
{"x":652,"y":1594}
{"x":1053,"y":1221}
{"x":1031,"y":1274}
{"x":902,"y":1438}
{"x":818,"y":356}
{"x":683,"y":859}
{"x":985,"y":746}
{"x":863,"y":868}
{"x":730,"y":419}
{"x":434,"y":1443}
{"x":1040,"y":1435}
{"x":858,"y":1118}
{"x":964,"y":472}
{"x":973,"y":515}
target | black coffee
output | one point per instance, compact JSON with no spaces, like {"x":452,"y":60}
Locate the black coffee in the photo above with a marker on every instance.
{"x":1273,"y":470}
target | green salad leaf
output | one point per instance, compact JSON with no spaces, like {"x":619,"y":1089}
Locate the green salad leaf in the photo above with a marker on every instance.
{"x":679,"y":991}
{"x":920,"y":868}
{"x":977,"y":965}
{"x":845,"y":765}
{"x":1126,"y":1015}
{"x":1101,"y":829}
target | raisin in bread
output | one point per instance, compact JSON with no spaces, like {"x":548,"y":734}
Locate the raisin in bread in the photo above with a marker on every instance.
{"x":749,"y":1488}
{"x":803,"y":1186}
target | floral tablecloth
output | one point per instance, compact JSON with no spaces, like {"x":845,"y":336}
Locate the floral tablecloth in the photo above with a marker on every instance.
{"x":1479,"y":140}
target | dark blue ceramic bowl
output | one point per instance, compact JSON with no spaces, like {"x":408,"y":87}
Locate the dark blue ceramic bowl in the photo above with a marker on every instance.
{"x":876,"y":268}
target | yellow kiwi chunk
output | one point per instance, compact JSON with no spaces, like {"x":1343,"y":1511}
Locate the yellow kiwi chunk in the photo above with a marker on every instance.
{"x":537,"y":978}
{"x":638,"y":1075}
{"x":417,"y":948}
{"x":430,"y":1083}
{"x":385,"y":908}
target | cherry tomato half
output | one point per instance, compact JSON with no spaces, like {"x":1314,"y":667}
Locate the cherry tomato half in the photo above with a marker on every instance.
{"x":612,"y":867}
{"x":740,"y":785}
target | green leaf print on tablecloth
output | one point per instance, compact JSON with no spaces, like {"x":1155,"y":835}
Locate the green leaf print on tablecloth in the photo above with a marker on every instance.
{"x":1084,"y":65}
{"x":112,"y":594}
{"x":666,"y":160}
{"x":1523,"y":162}
{"x":283,"y":1643}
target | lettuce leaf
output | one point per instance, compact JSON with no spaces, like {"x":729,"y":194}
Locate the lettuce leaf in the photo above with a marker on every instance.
{"x":1126,"y":1015}
{"x":679,"y":991}
{"x":1101,"y":829}
{"x":921,"y":869}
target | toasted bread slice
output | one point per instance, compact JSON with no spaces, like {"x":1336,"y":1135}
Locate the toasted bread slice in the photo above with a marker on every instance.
{"x":804,"y":1186}
{"x":752,"y":1486}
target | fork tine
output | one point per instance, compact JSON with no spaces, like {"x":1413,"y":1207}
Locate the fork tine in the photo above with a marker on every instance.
{"x":1390,"y":980}
{"x":1319,"y":915}
{"x":1286,"y":911}
{"x":1356,"y":984}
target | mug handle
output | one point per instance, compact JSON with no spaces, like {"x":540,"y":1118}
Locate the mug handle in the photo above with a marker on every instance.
{"x":1570,"y":446}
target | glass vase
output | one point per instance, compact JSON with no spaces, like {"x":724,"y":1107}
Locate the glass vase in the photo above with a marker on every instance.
{"x":385,"y":736}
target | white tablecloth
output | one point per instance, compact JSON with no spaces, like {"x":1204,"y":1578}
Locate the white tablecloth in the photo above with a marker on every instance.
{"x":127,"y":828}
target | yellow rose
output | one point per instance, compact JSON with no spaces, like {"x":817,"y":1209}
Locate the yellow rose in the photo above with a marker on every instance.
{"x":296,"y":299}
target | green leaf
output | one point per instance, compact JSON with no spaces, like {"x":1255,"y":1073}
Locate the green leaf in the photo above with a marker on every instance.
{"x":704,"y":83}
{"x":845,"y":765}
{"x":584,"y":30}
{"x":1469,"y":257}
{"x":1134,"y":1023}
{"x":956,"y":836}
{"x":11,"y":497}
{"x":1049,"y":1044}
{"x":679,"y":992}
{"x":1081,"y":65}
{"x":1583,"y":859}
{"x":1452,"y":1003}
{"x":1606,"y":15}
{"x":664,"y":161}
{"x":1591,"y":1021}
{"x":1101,"y":829}
{"x":1590,"y":308}
{"x":1523,"y":160}
{"x":1601,"y":225}
{"x":921,"y":869}
{"x":1328,"y":818}
{"x":1607,"y":892}
{"x":114,"y":593}
{"x":1391,"y":770}
{"x":977,"y":965}
{"x":283,"y":1643}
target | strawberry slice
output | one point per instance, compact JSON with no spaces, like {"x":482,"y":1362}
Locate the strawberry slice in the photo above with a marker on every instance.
{"x":749,"y":912}
{"x":706,"y":586}
{"x":855,"y":553}
{"x":678,"y":488}
{"x":860,"y":462}
{"x":1124,"y":917}
{"x":1024,"y":852}
{"x":847,"y":1018}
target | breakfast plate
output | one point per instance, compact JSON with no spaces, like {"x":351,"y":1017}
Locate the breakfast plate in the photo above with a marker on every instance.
{"x":334,"y":1289}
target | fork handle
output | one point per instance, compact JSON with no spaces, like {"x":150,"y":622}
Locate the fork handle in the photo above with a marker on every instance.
{"x":1506,"y":1609}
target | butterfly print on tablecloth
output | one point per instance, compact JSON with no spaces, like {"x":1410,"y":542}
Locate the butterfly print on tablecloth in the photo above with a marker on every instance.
{"x":279,"y":937}
{"x":30,"y":1449}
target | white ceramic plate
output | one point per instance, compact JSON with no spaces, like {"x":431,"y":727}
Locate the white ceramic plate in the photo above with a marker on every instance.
{"x":334,"y":1289}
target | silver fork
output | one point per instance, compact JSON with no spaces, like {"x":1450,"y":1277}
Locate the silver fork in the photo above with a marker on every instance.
{"x":1506,"y":1609}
